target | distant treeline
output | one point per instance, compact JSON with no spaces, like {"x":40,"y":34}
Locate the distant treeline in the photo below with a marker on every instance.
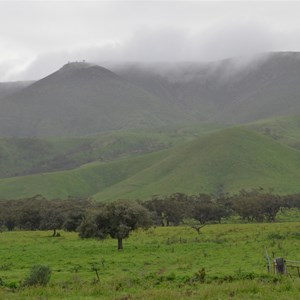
{"x":38,"y":213}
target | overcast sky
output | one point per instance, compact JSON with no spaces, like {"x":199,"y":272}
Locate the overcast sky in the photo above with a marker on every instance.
{"x":38,"y":37}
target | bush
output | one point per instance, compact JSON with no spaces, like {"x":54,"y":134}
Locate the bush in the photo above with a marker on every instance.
{"x":39,"y":275}
{"x":2,"y":283}
{"x":275,"y":236}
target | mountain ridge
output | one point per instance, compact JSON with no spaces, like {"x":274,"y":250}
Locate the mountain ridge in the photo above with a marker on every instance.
{"x":81,"y":101}
{"x":83,"y":98}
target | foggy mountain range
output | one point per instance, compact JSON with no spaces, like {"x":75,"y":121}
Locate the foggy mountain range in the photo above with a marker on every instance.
{"x":82,"y":98}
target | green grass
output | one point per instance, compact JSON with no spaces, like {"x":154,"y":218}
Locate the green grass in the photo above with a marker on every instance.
{"x":23,"y":156}
{"x":231,"y":159}
{"x":160,"y":263}
{"x":81,"y":182}
{"x":284,"y":129}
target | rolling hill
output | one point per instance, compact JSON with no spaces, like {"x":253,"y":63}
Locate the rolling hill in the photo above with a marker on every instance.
{"x":229,"y":159}
{"x":284,"y":129}
{"x":24,"y":156}
{"x":80,"y":182}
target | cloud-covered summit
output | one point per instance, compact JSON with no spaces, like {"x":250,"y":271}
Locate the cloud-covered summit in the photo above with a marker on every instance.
{"x":41,"y":36}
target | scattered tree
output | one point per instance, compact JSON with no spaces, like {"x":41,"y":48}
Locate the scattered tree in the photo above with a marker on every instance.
{"x":117,"y":220}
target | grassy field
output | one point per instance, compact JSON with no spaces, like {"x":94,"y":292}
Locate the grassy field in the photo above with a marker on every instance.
{"x":160,"y":263}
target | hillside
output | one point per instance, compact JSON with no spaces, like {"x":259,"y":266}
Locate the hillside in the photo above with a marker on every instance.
{"x":227,"y":160}
{"x":8,"y":88}
{"x":237,"y":90}
{"x":81,"y":99}
{"x":24,"y":156}
{"x":84,"y":181}
{"x":282,"y":129}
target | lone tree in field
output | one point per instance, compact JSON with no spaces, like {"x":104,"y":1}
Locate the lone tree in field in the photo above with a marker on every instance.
{"x":52,"y":219}
{"x":117,"y":220}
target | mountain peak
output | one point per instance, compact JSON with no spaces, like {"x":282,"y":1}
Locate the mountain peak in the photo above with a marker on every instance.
{"x":85,"y":70}
{"x":77,"y":65}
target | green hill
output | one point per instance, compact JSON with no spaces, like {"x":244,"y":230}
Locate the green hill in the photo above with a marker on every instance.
{"x":84,"y":181}
{"x":227,"y":160}
{"x":25,"y":156}
{"x":230,"y":160}
{"x":284,"y":129}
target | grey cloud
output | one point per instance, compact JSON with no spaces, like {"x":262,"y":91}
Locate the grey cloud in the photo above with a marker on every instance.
{"x":236,"y":40}
{"x":223,"y":40}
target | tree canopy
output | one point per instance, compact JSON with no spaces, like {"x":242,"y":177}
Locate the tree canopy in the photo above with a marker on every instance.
{"x":117,"y":220}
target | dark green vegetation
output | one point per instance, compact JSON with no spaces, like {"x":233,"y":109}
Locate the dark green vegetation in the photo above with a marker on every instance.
{"x":39,"y":275}
{"x":119,"y":218}
{"x":160,"y":263}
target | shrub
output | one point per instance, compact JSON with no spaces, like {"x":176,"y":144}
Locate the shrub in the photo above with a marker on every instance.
{"x":2,"y":283}
{"x":39,"y":275}
{"x":276,"y":236}
{"x":200,"y":276}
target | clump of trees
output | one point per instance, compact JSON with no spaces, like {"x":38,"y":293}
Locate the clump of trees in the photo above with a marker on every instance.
{"x":38,"y":213}
{"x":257,"y":206}
{"x":173,"y":209}
{"x":118,"y":219}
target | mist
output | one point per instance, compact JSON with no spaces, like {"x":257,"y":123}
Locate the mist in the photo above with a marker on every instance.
{"x":140,"y":32}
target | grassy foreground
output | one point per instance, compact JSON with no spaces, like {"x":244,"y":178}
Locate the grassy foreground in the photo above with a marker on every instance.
{"x":160,"y":263}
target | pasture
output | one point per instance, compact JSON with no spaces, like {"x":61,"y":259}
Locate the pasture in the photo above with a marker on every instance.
{"x":226,"y":261}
